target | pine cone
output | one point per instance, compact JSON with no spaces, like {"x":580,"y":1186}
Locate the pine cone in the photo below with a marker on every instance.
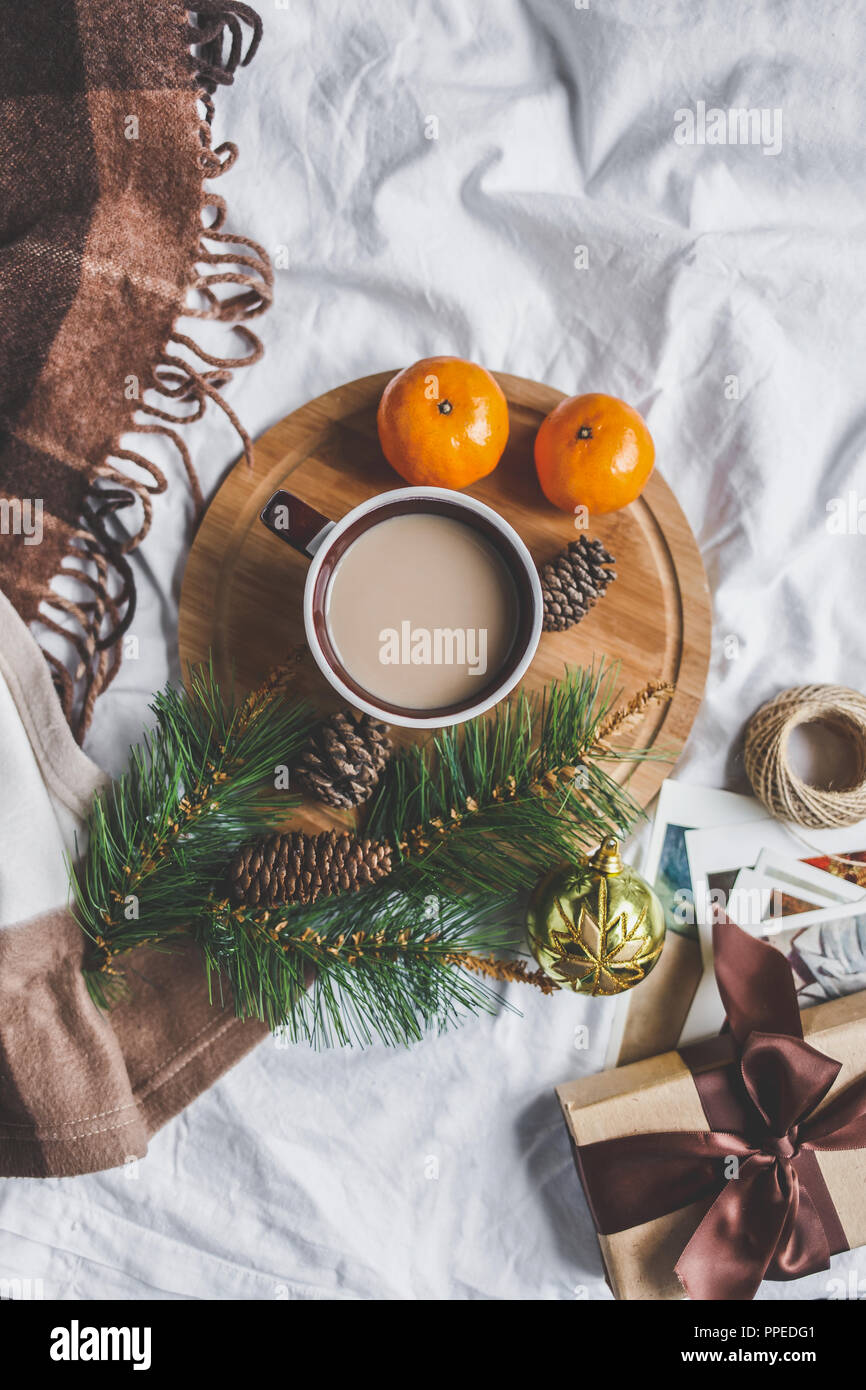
{"x":299,"y":868}
{"x":346,"y":755}
{"x":573,"y":581}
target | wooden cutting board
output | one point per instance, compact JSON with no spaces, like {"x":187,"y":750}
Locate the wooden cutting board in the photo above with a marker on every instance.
{"x":242,"y":588}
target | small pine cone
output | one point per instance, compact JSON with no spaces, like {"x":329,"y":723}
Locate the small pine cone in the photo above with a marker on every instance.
{"x":573,"y":581}
{"x":342,"y":764}
{"x":299,"y":868}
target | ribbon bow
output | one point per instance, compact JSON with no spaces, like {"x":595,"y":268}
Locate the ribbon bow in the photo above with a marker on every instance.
{"x":770,"y":1213}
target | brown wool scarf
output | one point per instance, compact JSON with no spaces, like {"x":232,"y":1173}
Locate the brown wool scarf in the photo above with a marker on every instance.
{"x":109,"y":234}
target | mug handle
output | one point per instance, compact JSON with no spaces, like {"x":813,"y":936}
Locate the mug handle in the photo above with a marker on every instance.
{"x":296,"y":522}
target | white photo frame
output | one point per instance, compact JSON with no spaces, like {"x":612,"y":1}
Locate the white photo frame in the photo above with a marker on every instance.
{"x":727,"y":851}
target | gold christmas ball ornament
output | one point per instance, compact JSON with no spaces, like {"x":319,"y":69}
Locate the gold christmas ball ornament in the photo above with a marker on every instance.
{"x":596,"y":927}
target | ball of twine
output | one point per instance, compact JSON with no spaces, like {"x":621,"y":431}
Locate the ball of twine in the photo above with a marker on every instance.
{"x":785,"y":795}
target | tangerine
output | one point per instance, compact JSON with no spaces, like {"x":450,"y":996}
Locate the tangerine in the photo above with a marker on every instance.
{"x":593,"y":451}
{"x":443,"y":422}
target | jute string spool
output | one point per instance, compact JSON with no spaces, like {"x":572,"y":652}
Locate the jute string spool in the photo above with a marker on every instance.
{"x":785,"y":794}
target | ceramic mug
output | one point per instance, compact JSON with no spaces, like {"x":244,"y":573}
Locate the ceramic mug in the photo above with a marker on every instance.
{"x":324,"y":542}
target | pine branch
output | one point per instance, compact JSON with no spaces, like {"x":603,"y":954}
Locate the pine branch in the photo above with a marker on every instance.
{"x":494,"y":804}
{"x":202,"y":780}
{"x":474,"y":817}
{"x":378,"y":965}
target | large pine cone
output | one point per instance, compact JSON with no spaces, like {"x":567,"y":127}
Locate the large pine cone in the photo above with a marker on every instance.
{"x":573,"y":582}
{"x":346,"y":755}
{"x":299,"y":868}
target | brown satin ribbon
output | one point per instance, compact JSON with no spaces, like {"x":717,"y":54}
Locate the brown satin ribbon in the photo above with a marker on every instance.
{"x":759,"y":1086}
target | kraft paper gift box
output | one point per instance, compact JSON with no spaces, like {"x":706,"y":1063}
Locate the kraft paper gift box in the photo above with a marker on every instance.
{"x":662,"y":1099}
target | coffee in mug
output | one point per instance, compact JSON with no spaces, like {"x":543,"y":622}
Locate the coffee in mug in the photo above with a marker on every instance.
{"x":421,"y":611}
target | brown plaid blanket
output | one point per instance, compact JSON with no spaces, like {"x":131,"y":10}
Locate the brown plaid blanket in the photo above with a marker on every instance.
{"x":109,"y":236}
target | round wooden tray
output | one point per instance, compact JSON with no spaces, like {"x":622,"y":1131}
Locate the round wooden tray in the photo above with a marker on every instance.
{"x":242,"y":589}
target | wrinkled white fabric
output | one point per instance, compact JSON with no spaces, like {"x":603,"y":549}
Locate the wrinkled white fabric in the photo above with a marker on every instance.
{"x":723,"y":296}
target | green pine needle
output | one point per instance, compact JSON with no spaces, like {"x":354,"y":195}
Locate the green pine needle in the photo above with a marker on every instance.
{"x":494,"y":804}
{"x":474,"y":816}
{"x":376,"y":965}
{"x":202,"y":781}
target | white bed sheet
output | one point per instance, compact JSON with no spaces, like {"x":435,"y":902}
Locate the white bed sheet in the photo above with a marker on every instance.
{"x":444,"y":1171}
